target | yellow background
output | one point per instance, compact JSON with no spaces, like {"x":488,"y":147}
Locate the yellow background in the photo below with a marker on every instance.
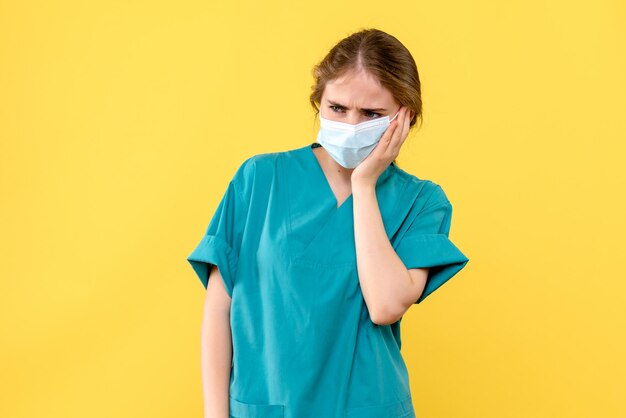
{"x":121,"y":123}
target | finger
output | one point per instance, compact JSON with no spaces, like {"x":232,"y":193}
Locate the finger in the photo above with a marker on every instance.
{"x":406,"y":127}
{"x":381,"y":144}
{"x":399,"y":133}
{"x":389,"y":132}
{"x":387,"y":146}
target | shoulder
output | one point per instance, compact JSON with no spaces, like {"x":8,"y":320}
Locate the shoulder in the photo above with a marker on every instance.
{"x":426,"y":191}
{"x":264,"y":166}
{"x":255,"y":171}
{"x":257,"y":164}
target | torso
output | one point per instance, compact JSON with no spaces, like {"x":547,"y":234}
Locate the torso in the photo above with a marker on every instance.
{"x":304,"y":343}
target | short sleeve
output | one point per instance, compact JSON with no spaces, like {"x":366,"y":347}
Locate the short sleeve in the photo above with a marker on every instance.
{"x":222,"y":240}
{"x":426,"y":244}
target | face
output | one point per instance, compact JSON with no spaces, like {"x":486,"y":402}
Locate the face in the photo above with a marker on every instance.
{"x":355,"y":98}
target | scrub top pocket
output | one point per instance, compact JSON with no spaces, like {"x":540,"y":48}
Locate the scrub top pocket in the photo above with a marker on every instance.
{"x":240,"y":409}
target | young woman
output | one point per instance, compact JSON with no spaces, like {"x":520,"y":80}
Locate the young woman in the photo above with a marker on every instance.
{"x":314,"y":254}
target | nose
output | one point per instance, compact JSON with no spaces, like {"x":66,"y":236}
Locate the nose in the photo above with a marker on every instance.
{"x":355,"y":117}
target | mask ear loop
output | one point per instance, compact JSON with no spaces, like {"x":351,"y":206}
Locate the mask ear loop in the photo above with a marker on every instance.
{"x":394,"y":116}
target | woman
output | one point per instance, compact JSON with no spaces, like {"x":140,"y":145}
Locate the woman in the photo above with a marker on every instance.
{"x":314,"y":254}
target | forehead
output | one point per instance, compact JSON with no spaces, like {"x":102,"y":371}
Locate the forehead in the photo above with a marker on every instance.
{"x":358,"y":89}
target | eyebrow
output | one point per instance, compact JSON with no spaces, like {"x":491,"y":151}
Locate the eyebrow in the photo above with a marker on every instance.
{"x":342,"y":106}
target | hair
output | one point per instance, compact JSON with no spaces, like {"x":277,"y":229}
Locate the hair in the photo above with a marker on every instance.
{"x":382,"y":56}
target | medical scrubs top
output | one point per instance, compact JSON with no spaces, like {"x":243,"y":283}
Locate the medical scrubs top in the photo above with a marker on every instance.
{"x":304,"y":345}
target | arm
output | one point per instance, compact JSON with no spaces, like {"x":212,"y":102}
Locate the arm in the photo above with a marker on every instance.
{"x":216,"y":348}
{"x":389,"y":289}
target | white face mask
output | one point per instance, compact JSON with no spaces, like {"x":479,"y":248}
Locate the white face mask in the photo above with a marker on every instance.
{"x":350,"y":144}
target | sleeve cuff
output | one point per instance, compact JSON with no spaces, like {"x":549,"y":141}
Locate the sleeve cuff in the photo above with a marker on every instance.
{"x":214,"y":250}
{"x":433,"y":251}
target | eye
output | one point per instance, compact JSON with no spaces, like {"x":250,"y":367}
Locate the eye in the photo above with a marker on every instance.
{"x":368,"y":114}
{"x":377,"y":115}
{"x":335,"y":108}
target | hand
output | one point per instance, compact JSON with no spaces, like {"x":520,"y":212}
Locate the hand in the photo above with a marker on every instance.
{"x":387,"y":149}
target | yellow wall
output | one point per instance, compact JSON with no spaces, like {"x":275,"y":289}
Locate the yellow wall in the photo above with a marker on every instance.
{"x":121,"y":123}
